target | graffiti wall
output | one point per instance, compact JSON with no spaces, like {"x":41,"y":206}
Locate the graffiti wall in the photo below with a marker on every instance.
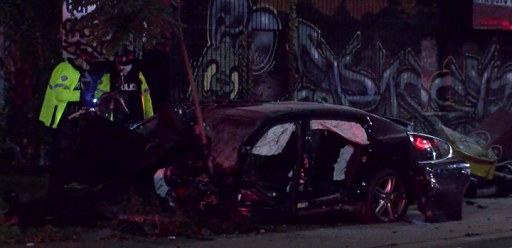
{"x":74,"y":39}
{"x":380,"y":58}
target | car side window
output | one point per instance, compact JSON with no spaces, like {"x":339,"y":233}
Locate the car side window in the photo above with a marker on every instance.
{"x":276,"y":153}
{"x":327,"y":148}
{"x":333,"y":145}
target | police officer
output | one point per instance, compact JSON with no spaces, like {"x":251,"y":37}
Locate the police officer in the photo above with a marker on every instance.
{"x":64,"y":94}
{"x":131,"y":84}
{"x":74,"y":84}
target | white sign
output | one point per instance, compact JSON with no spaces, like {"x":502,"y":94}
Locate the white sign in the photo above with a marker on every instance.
{"x":81,"y":11}
{"x":507,"y":3}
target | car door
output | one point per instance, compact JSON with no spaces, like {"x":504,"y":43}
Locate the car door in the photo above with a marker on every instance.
{"x":274,"y":155}
{"x":334,"y":149}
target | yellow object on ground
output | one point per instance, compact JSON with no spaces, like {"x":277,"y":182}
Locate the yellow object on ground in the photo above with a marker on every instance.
{"x":464,"y":147}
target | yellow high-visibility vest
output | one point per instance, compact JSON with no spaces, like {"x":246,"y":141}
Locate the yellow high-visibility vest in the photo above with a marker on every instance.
{"x":61,"y":90}
{"x":147,"y":105}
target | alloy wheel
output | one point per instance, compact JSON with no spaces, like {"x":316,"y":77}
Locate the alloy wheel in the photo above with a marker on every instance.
{"x":390,"y":199}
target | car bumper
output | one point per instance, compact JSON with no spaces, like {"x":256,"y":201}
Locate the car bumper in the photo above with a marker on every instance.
{"x":441,"y":187}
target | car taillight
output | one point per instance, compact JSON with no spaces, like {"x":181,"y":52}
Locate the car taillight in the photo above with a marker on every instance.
{"x":422,"y":144}
{"x":430,"y":148}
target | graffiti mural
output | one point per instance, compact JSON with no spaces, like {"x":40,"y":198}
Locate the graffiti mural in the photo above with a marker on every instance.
{"x":317,"y":67}
{"x":428,"y":60}
{"x":73,"y":38}
{"x":400,"y":85}
{"x":398,"y":82}
{"x":218,"y":70}
{"x":481,"y":87}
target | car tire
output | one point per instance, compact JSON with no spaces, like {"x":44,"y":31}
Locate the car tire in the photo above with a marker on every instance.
{"x":471,"y":191}
{"x":504,"y":187}
{"x":386,"y":191}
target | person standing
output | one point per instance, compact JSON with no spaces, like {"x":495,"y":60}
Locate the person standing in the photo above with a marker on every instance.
{"x":130,"y":83}
{"x":74,"y":84}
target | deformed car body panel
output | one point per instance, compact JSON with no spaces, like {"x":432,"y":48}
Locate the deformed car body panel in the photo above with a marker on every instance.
{"x":228,"y":130}
{"x":442,"y":188}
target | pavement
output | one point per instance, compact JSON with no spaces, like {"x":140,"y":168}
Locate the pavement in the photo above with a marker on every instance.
{"x":486,"y":223}
{"x":503,"y":240}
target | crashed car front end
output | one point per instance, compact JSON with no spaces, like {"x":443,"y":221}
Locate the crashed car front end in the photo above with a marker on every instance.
{"x":441,"y":180}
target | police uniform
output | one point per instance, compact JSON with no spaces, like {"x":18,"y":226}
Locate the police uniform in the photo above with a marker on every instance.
{"x":64,"y":89}
{"x":64,"y":96}
{"x":137,"y":97}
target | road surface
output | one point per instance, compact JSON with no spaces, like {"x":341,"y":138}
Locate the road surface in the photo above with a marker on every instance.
{"x":487,"y":223}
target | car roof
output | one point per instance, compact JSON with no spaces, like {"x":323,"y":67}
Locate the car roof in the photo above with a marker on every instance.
{"x":259,"y":111}
{"x":263,"y":110}
{"x":277,"y":107}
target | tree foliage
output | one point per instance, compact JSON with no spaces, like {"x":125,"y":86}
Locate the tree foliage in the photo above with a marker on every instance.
{"x":142,"y":23}
{"x":30,"y":29}
{"x":30,"y":50}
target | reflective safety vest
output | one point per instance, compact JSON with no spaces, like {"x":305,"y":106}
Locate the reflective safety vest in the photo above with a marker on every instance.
{"x":61,"y":90}
{"x":147,"y":104}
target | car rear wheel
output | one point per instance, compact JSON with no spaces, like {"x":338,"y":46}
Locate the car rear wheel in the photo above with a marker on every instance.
{"x":386,"y":199}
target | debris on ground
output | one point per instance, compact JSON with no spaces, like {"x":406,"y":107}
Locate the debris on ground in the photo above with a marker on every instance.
{"x":471,"y":234}
{"x":472,"y":203}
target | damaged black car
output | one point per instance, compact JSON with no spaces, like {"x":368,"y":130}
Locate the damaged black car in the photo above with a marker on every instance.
{"x":265,"y":160}
{"x":293,"y":158}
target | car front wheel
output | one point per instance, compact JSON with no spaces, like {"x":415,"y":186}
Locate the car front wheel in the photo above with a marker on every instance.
{"x":386,"y":199}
